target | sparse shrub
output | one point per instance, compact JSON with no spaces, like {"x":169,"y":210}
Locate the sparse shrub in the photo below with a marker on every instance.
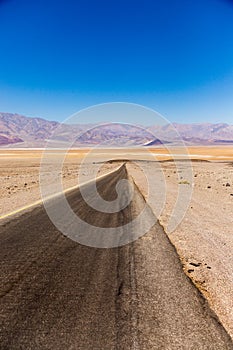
{"x":184,"y":182}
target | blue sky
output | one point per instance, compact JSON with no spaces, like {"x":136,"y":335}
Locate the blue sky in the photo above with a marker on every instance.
{"x":58,"y":57}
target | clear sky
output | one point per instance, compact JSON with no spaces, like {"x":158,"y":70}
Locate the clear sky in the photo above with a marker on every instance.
{"x":175,"y":56}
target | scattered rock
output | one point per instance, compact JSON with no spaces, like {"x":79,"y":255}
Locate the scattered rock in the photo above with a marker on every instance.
{"x":195,"y":264}
{"x":208,"y":186}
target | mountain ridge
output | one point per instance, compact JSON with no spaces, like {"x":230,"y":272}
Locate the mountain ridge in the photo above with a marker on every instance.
{"x":20,"y":131}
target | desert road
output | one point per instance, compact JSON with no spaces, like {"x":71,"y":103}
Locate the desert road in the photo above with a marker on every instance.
{"x":58,"y":294}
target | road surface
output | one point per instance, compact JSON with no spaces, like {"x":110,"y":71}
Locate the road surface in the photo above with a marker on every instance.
{"x":58,"y":294}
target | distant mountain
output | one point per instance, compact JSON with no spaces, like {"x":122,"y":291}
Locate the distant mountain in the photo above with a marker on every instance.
{"x":115,"y":134}
{"x":8,"y":140}
{"x":20,"y":131}
{"x":24,"y":129}
{"x":201,"y":133}
{"x":35,"y":132}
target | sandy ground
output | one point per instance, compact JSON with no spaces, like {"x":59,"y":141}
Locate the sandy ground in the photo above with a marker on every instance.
{"x":205,"y":236}
{"x":204,"y":239}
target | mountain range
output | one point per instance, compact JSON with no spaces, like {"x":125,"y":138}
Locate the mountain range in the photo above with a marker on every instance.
{"x":20,"y":131}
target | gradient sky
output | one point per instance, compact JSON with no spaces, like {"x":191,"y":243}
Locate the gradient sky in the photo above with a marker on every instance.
{"x":58,"y":57}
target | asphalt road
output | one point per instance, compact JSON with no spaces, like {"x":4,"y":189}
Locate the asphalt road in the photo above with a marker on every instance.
{"x":58,"y":294}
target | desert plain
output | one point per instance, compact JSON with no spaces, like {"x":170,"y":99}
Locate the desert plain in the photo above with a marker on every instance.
{"x":203,"y":238}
